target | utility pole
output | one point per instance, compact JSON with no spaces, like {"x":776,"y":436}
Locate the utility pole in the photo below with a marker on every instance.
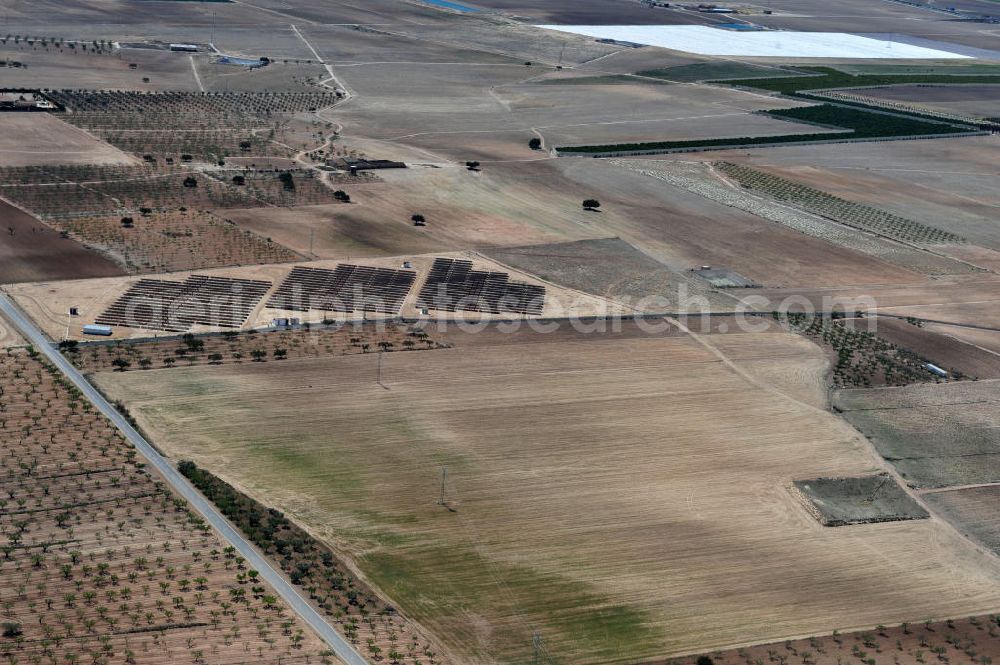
{"x":536,"y":644}
{"x":312,"y":236}
{"x":379,"y":379}
{"x":444,"y":477}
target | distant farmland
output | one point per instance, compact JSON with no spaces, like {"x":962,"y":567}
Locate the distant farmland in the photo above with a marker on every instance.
{"x":626,"y":496}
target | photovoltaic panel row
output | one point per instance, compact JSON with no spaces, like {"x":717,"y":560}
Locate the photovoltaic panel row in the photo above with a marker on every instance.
{"x":158,"y":304}
{"x":452,"y":285}
{"x":348,"y":288}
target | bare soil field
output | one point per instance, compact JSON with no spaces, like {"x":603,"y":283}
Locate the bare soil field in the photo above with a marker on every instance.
{"x":975,"y":100}
{"x":943,"y":183}
{"x":31,"y":251}
{"x":501,"y":205}
{"x":103,"y":562}
{"x":951,"y":641}
{"x":936,"y":435}
{"x":449,"y":107}
{"x":336,"y":232}
{"x":974,"y":509}
{"x":28,"y":139}
{"x":984,"y":339}
{"x":281,"y":75}
{"x":625,"y":497}
{"x":71,"y":68}
{"x":971,"y":299}
{"x":944,"y":351}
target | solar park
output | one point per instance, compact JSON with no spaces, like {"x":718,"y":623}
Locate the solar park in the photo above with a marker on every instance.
{"x":452,"y":285}
{"x":347,"y":288}
{"x":158,"y":304}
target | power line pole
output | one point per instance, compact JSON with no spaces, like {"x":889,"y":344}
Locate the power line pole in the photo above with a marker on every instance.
{"x":444,"y":477}
{"x":536,"y":643}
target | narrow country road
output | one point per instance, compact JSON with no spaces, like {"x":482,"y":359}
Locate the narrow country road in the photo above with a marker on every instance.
{"x":198,"y":503}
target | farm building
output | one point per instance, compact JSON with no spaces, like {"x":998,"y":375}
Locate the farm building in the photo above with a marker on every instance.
{"x":187,"y":48}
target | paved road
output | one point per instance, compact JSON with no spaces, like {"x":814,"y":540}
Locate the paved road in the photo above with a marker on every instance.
{"x":200,"y":504}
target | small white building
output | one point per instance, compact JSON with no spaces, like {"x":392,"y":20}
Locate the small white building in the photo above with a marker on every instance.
{"x":187,"y":48}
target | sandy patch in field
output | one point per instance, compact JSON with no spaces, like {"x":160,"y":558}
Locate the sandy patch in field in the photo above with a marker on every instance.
{"x":34,"y":138}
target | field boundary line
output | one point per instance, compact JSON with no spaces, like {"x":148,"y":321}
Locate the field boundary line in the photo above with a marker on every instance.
{"x":197,"y":77}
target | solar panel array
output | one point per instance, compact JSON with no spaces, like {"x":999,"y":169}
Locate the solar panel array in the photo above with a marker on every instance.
{"x":453,"y":285}
{"x":158,"y":304}
{"x":348,"y":288}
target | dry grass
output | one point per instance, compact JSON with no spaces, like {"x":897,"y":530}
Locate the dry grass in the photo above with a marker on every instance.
{"x":626,"y":496}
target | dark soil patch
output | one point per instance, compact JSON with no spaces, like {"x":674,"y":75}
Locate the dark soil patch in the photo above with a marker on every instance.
{"x":30,"y":251}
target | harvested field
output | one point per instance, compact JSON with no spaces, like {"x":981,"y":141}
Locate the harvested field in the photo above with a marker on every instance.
{"x":470,"y":111}
{"x":31,"y":251}
{"x":626,"y":497}
{"x":502,"y":205}
{"x":953,"y":641}
{"x":973,"y":100}
{"x":336,"y":231}
{"x":123,"y":568}
{"x":936,"y":435}
{"x":862,"y":500}
{"x":944,"y":351}
{"x":973,"y":510}
{"x":971,"y":299}
{"x":72,"y":68}
{"x":28,"y":139}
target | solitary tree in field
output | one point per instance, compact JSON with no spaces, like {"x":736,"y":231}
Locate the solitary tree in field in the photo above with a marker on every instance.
{"x":591,"y":204}
{"x":535,"y":143}
{"x":472,"y":166}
